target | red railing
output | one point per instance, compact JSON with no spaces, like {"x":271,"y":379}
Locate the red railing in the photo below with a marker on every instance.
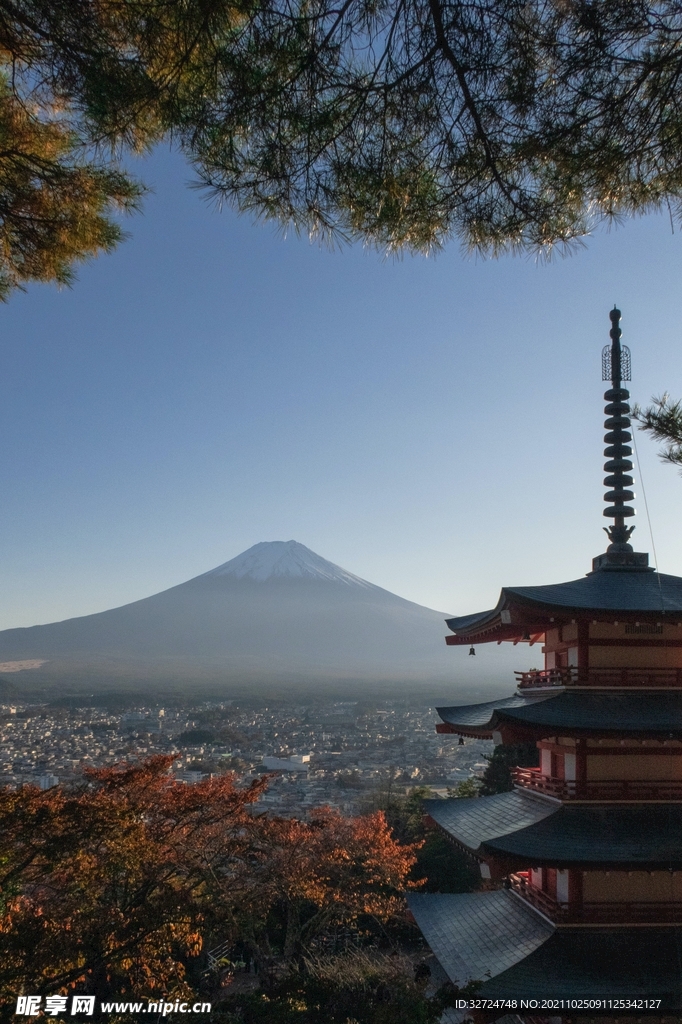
{"x":536,"y":897}
{"x":611,"y":789}
{"x":531,"y":778}
{"x":595,"y":913}
{"x":546,"y":677}
{"x":549,"y":677}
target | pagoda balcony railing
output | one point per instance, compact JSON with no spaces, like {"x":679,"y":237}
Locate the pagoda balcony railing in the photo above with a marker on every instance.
{"x":610,"y":789}
{"x":549,"y":677}
{"x":594,"y":913}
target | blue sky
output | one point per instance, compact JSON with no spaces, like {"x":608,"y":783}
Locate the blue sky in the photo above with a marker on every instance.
{"x":433,"y":425}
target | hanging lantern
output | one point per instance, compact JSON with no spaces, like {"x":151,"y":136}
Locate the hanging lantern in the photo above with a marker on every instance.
{"x":471,"y":651}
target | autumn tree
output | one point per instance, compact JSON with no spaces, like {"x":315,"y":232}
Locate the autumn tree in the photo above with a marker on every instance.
{"x":318,"y":874}
{"x":106,"y":887}
{"x":55,"y":203}
{"x":514,"y":124}
{"x":440,"y":866}
{"x":116,"y":886}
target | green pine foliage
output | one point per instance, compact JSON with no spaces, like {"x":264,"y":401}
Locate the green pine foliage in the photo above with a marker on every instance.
{"x":441,"y":865}
{"x":507,"y":126}
{"x":497,"y":777}
{"x":467,"y":788}
{"x":662,"y":420}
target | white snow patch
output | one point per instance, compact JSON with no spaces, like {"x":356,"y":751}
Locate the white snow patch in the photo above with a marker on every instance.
{"x":279,"y":558}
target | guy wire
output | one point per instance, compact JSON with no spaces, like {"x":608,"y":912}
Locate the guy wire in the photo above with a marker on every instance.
{"x":648,"y":517}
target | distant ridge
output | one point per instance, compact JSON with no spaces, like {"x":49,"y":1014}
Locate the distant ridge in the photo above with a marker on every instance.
{"x":278,"y":614}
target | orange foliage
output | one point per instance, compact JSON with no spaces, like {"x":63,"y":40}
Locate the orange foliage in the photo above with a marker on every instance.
{"x":114,"y":885}
{"x":105,"y":886}
{"x":331,"y":869}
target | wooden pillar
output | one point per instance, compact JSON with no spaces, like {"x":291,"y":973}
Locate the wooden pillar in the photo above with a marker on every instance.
{"x":575,"y":888}
{"x":580,"y":767}
{"x":583,"y":650}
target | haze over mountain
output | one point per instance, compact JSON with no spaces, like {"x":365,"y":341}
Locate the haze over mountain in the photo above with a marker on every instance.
{"x":277,"y":612}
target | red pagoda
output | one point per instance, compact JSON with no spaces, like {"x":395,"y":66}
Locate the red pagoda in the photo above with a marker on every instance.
{"x":584,"y":854}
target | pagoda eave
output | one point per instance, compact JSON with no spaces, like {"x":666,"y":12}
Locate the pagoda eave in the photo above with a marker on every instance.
{"x":500,"y":733}
{"x":626,"y":596}
{"x":496,"y":938}
{"x":518,"y":828}
{"x":472,"y":734}
{"x":584,"y":713}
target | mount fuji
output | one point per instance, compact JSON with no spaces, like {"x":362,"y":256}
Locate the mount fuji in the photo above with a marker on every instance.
{"x":277,"y":613}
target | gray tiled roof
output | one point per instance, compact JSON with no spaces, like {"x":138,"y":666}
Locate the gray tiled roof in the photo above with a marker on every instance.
{"x":480,"y":714}
{"x":645,"y":836}
{"x":492,"y":937}
{"x":478,"y":935}
{"x":462,"y":622}
{"x":582,"y":962}
{"x":621,"y":591}
{"x":624,"y":591}
{"x":652,"y":711}
{"x":644,"y":712}
{"x":473,"y":821}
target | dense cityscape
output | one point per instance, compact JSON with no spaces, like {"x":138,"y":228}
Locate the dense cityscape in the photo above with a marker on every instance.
{"x":341,"y":754}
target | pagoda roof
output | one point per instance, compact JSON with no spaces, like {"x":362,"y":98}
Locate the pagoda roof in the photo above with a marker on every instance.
{"x":597,"y":962}
{"x":472,"y":821}
{"x":639,"y":836}
{"x":600,"y":594}
{"x":534,"y":830}
{"x":495,"y":938}
{"x":478,"y":935}
{"x":649,"y":712}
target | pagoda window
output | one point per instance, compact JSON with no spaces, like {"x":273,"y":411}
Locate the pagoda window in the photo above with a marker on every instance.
{"x":572,"y":657}
{"x":557,"y":766}
{"x":536,"y":877}
{"x":546,"y":763}
{"x":569,"y":767}
{"x":562,"y":886}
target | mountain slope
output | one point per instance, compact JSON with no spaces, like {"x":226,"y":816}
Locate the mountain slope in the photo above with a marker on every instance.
{"x":276,"y":612}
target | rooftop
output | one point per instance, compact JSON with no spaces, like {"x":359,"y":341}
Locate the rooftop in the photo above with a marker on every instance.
{"x":494,"y":938}
{"x":478,"y":935}
{"x":657,"y":713}
{"x":598,"y":962}
{"x":603,"y":594}
{"x":532,"y":830}
{"x":643,"y":836}
{"x":473,"y":821}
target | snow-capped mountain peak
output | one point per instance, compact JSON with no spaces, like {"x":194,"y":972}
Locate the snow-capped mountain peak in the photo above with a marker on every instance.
{"x":284,"y":559}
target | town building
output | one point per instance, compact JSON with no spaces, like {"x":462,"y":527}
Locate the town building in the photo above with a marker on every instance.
{"x":295,"y":763}
{"x":583,"y":857}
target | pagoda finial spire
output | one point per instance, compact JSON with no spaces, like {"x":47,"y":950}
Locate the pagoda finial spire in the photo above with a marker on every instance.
{"x":616,"y":369}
